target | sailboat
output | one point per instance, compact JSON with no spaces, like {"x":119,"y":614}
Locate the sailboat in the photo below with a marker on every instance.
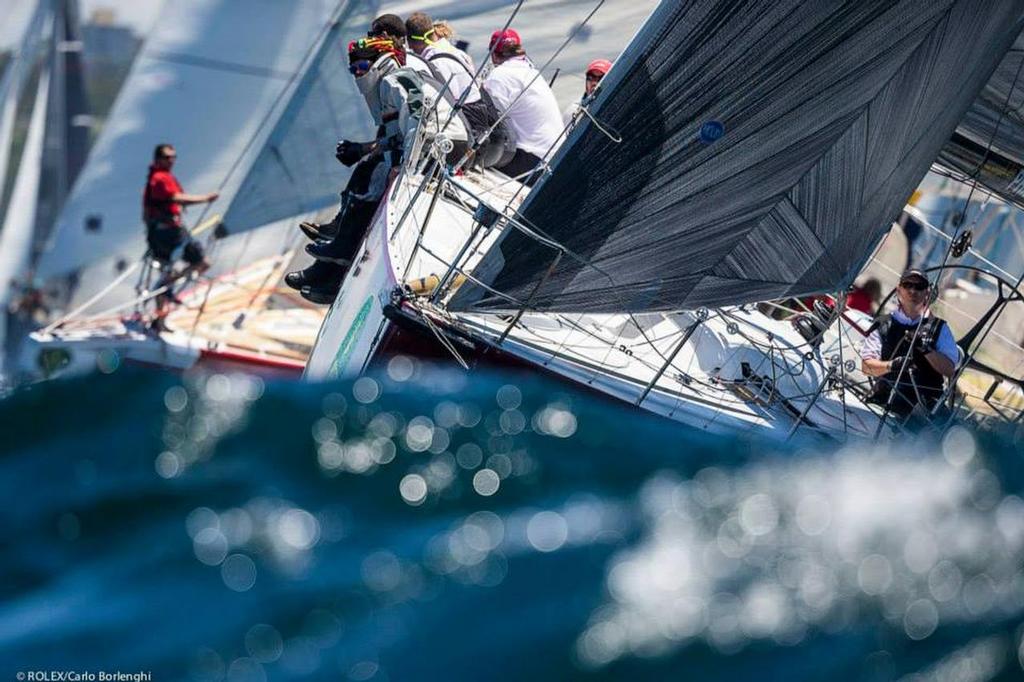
{"x":280,"y":101}
{"x":284,"y":173}
{"x":48,"y":63}
{"x":737,"y":155}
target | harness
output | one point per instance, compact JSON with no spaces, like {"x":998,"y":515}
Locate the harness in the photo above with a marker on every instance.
{"x":919,"y":381}
{"x":499,"y":148}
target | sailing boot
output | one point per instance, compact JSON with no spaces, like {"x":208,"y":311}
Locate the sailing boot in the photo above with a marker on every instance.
{"x":329,"y":253}
{"x":317,"y":275}
{"x":322,"y":295}
{"x":325,"y":231}
{"x":356,"y":218}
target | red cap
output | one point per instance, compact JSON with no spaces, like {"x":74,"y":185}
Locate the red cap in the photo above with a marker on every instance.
{"x":601,"y":66}
{"x":500,"y":39}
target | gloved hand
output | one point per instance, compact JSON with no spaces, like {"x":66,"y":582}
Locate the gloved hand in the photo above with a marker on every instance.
{"x":349,"y":152}
{"x":927,"y":338}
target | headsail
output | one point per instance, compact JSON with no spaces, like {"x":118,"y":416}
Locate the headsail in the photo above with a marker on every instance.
{"x":200,"y":82}
{"x":295,"y":173}
{"x":765,"y":148}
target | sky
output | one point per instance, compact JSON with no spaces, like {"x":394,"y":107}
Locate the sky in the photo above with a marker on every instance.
{"x":138,"y":14}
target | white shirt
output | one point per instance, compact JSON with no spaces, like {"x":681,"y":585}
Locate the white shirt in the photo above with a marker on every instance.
{"x":460,"y":72}
{"x":534,"y":117}
{"x":871,"y":349}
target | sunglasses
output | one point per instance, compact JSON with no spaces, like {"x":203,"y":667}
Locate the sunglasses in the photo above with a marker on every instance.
{"x":171,"y":157}
{"x":595,"y":76}
{"x":915,"y":286}
{"x":359,"y":67}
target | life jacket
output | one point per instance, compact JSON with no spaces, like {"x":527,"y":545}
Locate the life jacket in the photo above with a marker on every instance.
{"x":919,"y":382}
{"x":500,"y":146}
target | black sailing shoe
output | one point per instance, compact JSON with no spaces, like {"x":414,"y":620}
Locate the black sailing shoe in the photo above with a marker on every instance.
{"x":317,"y":232}
{"x":323,"y":251}
{"x":320,"y":295}
{"x":296,"y":280}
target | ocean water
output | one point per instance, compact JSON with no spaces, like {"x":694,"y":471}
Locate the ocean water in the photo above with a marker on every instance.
{"x":425,"y":524}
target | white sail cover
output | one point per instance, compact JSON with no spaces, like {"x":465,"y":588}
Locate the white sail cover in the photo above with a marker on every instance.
{"x":206,"y":81}
{"x":296,"y":171}
{"x":765,"y":149}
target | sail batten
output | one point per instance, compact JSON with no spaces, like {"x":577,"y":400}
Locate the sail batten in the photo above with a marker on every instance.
{"x":831,"y":114}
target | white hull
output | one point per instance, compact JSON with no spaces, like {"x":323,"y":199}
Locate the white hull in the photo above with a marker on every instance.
{"x":710,"y":385}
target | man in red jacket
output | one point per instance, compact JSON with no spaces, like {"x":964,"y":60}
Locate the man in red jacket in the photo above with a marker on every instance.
{"x":162,"y":200}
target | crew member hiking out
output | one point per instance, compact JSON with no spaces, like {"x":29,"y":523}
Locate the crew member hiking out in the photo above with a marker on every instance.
{"x":453,"y":69}
{"x":162,"y":201}
{"x":910,"y":352}
{"x":524,"y":96}
{"x":402,"y":102}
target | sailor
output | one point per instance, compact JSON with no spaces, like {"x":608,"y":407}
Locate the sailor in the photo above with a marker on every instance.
{"x":864,"y":297}
{"x":402,"y":102}
{"x":392,"y":26}
{"x":349,"y":152}
{"x":596,"y":70}
{"x":910,"y":352}
{"x":453,"y":71}
{"x":162,"y":200}
{"x":521,"y":92}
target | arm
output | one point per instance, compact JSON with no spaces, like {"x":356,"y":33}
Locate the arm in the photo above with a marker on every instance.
{"x":874,"y":367}
{"x":871,"y":356}
{"x":189,"y":199}
{"x":945,"y":355}
{"x":940,"y":363}
{"x":393,"y":102}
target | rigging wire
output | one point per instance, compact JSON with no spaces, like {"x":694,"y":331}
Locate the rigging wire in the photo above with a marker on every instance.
{"x":276,"y":108}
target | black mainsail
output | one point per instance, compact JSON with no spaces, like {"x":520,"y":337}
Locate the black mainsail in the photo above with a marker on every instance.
{"x":766,"y":146}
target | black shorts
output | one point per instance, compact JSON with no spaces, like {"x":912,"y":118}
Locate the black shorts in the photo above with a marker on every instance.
{"x":165,"y":238}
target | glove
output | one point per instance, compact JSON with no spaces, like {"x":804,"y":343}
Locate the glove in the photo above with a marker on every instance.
{"x":927,"y":338}
{"x":349,"y":152}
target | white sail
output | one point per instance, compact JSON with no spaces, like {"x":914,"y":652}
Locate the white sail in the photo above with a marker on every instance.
{"x":205,"y":81}
{"x":16,"y":237}
{"x":10,"y":93}
{"x":295,"y":171}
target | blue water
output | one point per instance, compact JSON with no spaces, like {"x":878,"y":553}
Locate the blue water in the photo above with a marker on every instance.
{"x":421,"y":525}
